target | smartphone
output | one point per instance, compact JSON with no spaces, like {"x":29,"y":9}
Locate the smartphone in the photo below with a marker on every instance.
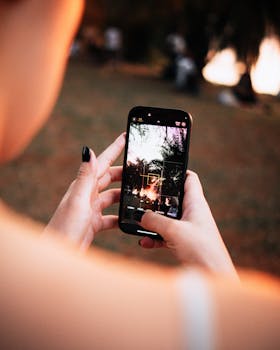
{"x":154,"y":168}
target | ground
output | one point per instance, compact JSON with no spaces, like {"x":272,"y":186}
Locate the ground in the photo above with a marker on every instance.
{"x":235,"y":151}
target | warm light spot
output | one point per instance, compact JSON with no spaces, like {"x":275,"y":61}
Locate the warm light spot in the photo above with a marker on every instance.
{"x":149,"y":193}
{"x":222,"y":69}
{"x":266,"y":73}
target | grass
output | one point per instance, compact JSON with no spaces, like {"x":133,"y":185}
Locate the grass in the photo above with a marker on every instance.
{"x":235,"y":151}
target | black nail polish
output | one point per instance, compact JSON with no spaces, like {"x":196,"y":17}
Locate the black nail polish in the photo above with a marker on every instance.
{"x":85,"y":154}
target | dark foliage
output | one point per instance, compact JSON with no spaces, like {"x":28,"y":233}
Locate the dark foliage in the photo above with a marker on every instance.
{"x":205,"y":23}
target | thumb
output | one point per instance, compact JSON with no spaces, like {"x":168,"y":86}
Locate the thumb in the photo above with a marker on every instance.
{"x":86,"y":178}
{"x":160,"y":224}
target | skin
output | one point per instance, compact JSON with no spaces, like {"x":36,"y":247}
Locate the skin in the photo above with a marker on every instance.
{"x":84,"y":201}
{"x":195,"y":239}
{"x":52,"y":296}
{"x":35,"y":38}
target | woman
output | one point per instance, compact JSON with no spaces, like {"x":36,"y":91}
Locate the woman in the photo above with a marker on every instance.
{"x":52,"y":296}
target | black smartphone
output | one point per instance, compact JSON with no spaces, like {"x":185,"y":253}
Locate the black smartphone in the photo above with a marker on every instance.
{"x":155,"y":164}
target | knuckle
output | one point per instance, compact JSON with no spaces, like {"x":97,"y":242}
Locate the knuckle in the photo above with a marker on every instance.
{"x":83,"y":170}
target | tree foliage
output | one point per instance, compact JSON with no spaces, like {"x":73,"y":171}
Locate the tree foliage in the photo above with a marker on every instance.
{"x":241,"y":24}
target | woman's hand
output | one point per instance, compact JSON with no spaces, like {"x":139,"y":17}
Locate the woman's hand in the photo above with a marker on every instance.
{"x":79,"y":215}
{"x":195,"y":239}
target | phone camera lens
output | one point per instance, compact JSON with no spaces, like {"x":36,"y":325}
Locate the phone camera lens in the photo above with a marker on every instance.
{"x":149,"y":114}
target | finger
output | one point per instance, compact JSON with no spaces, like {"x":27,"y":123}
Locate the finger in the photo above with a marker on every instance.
{"x":109,"y":197}
{"x":86,"y":241}
{"x":113,"y":175}
{"x":68,"y":192}
{"x":160,"y":224}
{"x":193,"y":185}
{"x":109,"y":222}
{"x":107,"y":158}
{"x":193,"y":195}
{"x":86,"y":180}
{"x":149,"y":243}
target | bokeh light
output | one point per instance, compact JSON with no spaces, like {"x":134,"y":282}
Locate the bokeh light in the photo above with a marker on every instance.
{"x":224,"y":69}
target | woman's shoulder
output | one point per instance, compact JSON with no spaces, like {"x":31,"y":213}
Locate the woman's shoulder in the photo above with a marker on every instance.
{"x":13,"y":223}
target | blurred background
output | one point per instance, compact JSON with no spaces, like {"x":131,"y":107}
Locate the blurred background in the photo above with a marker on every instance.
{"x":220,"y":61}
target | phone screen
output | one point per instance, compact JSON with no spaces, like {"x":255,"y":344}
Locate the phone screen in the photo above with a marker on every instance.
{"x":154,"y":166}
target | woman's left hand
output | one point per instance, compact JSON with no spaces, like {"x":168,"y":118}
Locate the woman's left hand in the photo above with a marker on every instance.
{"x":79,"y":215}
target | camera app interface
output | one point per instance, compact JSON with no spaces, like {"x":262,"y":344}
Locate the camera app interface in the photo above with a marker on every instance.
{"x":155,"y":168}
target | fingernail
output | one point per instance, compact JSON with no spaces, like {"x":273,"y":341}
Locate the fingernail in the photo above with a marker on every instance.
{"x":85,"y":154}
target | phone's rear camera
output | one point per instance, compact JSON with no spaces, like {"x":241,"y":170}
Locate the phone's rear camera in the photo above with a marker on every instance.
{"x":149,"y":114}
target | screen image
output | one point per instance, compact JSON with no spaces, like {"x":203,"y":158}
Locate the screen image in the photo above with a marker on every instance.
{"x":154,"y":170}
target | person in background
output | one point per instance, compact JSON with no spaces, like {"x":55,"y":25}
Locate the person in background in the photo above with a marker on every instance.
{"x":175,"y":48}
{"x":52,"y":295}
{"x":92,"y":44}
{"x":244,"y":91}
{"x":187,"y":75}
{"x":113,"y":45}
{"x":240,"y":95}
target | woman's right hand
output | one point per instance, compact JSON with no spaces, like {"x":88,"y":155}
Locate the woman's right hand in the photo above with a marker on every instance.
{"x":195,"y":239}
